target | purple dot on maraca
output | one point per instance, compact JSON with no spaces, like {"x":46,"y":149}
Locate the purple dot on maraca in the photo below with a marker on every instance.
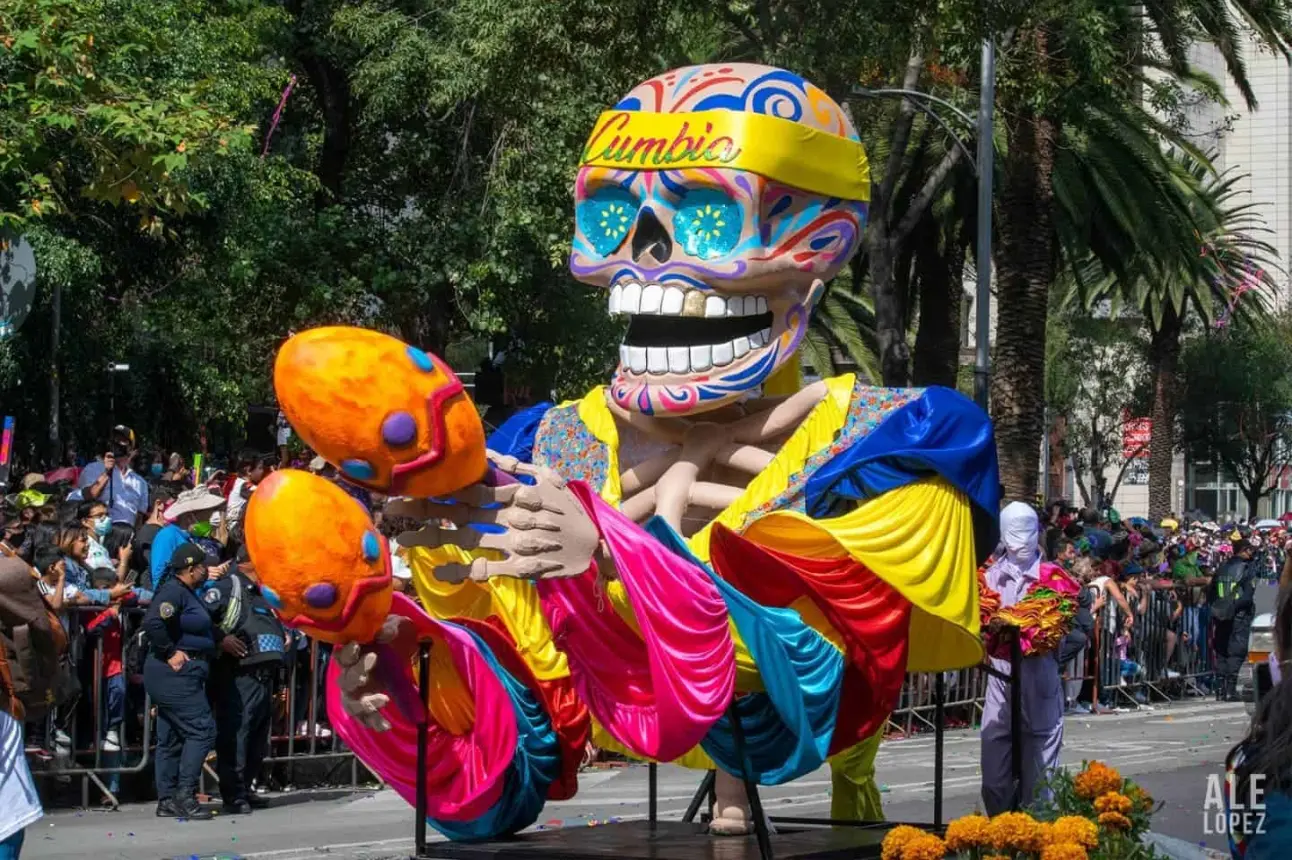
{"x":321,"y":595}
{"x":399,"y":429}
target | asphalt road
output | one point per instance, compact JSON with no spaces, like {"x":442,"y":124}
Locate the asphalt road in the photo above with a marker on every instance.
{"x":1170,"y":750}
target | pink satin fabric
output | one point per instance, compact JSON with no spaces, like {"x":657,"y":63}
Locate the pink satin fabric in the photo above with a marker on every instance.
{"x":465,"y":773}
{"x":658,"y":693}
{"x":1057,"y":580}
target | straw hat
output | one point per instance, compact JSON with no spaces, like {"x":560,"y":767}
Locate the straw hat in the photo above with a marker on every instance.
{"x":194,"y":501}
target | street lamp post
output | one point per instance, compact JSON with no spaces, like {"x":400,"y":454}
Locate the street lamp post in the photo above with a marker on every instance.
{"x":113,"y":369}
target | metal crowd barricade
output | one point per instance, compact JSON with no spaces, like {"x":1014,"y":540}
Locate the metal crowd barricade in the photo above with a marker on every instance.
{"x":298,"y":689}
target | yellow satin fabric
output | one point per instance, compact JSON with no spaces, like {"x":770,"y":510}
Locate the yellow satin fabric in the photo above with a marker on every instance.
{"x":918,"y":539}
{"x":514,"y":601}
{"x":854,"y":796}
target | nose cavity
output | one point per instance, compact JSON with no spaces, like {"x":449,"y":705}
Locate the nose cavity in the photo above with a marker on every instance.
{"x":651,"y":238}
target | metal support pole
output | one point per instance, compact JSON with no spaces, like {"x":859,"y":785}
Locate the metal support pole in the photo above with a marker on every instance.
{"x":701,"y":794}
{"x":423,"y":690}
{"x":939,"y":736}
{"x":986,"y":161}
{"x":652,"y":776}
{"x":751,"y":788}
{"x":1016,"y":717}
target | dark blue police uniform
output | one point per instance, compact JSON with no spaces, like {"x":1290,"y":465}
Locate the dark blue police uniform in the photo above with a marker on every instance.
{"x":179,"y":621}
{"x":242,"y":687}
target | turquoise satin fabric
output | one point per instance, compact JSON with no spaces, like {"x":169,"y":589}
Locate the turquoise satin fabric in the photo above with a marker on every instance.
{"x":787,"y":728}
{"x":536,"y":764}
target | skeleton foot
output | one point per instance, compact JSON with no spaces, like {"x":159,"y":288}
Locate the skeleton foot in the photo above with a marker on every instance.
{"x":731,"y":813}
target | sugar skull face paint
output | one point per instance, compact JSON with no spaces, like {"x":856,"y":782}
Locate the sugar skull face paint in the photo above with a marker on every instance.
{"x":717,"y":267}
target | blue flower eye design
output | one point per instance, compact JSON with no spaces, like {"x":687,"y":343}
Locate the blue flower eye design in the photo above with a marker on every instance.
{"x":708,"y":223}
{"x":606,"y":217}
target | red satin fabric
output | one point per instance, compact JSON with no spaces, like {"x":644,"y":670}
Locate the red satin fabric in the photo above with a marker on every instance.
{"x":657,"y":693}
{"x":569,"y":716}
{"x":465,"y":773}
{"x":870,"y":615}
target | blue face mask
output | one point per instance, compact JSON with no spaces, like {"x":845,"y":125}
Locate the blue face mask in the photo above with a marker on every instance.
{"x":102,"y":526}
{"x":156,"y":469}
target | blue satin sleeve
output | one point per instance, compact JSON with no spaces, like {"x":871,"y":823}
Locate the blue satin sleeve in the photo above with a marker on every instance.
{"x":941,"y":432}
{"x":515,"y":436}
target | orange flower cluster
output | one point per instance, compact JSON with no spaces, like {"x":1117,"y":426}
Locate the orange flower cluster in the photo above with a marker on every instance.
{"x":988,"y":600}
{"x":910,"y":843}
{"x":1098,"y":778}
{"x":971,"y":831}
{"x":1016,"y":831}
{"x":1063,"y":851}
{"x":896,"y":840}
{"x":1114,"y":802}
{"x":1142,"y":799}
{"x":1077,"y":830}
{"x":1114,"y":821}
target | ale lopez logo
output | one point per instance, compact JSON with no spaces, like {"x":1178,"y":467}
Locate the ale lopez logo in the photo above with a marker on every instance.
{"x":1225,"y":813}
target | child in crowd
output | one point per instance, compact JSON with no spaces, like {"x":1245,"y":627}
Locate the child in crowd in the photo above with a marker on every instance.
{"x":107,"y":626}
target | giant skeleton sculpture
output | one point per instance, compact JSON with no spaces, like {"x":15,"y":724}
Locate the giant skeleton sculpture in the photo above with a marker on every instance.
{"x":703,"y":540}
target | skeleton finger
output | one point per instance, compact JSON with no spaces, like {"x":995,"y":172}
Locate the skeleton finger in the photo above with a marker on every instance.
{"x":456,"y":573}
{"x":433,"y":536}
{"x":541,"y":473}
{"x":531,"y":499}
{"x":479,"y":495}
{"x":531,"y":544}
{"x":349,"y":654}
{"x":524,"y":521}
{"x":423,"y":509}
{"x":505,"y":462}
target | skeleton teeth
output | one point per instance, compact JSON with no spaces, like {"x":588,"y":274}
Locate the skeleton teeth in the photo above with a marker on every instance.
{"x":632,"y":298}
{"x":637,"y":359}
{"x":679,"y":359}
{"x":623,"y":355}
{"x":652,"y":295}
{"x":762,"y":305}
{"x":656,"y":359}
{"x":715,"y":306}
{"x":672,"y":304}
{"x":616,"y":299}
{"x":766,"y":335}
{"x":701,"y":357}
{"x":724,"y":353}
{"x":741,"y":345}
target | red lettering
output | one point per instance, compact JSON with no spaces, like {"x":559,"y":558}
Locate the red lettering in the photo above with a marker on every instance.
{"x":645,"y":145}
{"x":728,"y":152}
{"x":619,"y":122}
{"x":672,"y":155}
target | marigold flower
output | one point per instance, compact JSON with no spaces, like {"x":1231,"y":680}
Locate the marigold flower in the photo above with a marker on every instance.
{"x":895,"y":841}
{"x":971,"y":831}
{"x":1114,"y":802}
{"x":996,"y":857}
{"x":1098,"y":778}
{"x":1077,"y":830}
{"x":1015,"y":831}
{"x":1063,"y":851}
{"x":925,"y":847}
{"x":1114,"y":821}
{"x":1142,"y":799}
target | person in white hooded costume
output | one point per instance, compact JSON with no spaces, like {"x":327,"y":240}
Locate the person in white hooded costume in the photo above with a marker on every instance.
{"x":1042,"y":689}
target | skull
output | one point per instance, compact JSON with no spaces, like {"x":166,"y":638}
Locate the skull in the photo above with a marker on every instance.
{"x":717,"y":267}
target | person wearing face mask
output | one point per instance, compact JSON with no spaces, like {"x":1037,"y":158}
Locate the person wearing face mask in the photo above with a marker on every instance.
{"x":94,"y":516}
{"x":1017,"y":569}
{"x":181,"y":644}
{"x":189,"y":517}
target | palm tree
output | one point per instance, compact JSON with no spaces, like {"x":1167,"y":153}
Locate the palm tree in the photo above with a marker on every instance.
{"x":1228,"y":274}
{"x":1047,"y":61}
{"x":843,"y":327}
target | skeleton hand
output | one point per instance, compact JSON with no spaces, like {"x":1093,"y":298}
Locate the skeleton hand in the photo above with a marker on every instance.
{"x":362,"y":693}
{"x":546,"y":532}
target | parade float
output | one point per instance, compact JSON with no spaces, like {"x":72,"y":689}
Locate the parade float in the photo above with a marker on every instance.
{"x":705,"y":561}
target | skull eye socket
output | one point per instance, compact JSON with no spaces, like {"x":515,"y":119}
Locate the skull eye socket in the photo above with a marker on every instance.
{"x":707,"y":223}
{"x":606,"y":217}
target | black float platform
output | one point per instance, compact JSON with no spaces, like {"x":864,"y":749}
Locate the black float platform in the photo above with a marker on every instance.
{"x":665,"y":840}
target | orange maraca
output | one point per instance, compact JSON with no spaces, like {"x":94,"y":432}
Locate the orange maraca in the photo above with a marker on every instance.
{"x":392,"y":417}
{"x":320,"y":562}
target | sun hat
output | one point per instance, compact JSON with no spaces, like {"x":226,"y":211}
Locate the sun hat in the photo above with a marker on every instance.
{"x":193,"y":501}
{"x":31,"y":479}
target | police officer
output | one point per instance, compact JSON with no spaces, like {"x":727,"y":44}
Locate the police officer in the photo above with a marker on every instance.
{"x":181,"y":643}
{"x":242,"y":682}
{"x":1233,"y":605}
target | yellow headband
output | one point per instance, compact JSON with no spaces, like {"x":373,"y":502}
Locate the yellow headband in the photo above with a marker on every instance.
{"x":779,"y":149}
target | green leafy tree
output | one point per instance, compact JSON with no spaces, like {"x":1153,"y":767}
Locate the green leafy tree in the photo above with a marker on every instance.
{"x":1236,"y":409}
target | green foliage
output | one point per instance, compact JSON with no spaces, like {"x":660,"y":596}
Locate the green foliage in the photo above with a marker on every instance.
{"x":1067,"y":799}
{"x":1237,"y":403}
{"x":1096,"y":376}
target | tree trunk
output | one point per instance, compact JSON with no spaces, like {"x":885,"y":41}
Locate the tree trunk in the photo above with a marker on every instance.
{"x":937,"y":343}
{"x":1164,"y":361}
{"x":890,"y":312}
{"x":1025,"y":266}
